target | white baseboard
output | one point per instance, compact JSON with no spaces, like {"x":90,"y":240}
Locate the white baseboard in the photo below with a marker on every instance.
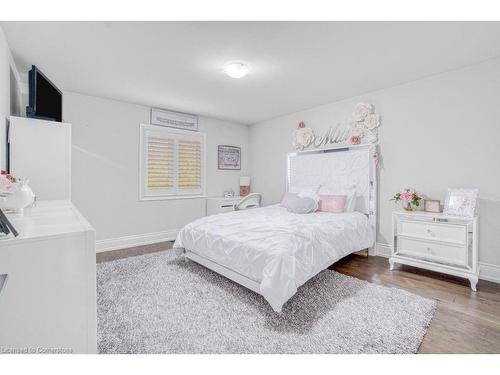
{"x":490,"y":272}
{"x":135,"y":240}
{"x":487,"y":271}
{"x":383,"y":250}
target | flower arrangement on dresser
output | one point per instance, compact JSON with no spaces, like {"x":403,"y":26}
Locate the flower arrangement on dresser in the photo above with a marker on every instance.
{"x":15,"y":194}
{"x":410,"y":199}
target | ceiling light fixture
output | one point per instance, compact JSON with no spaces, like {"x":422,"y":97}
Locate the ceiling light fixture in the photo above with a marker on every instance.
{"x":236,"y":69}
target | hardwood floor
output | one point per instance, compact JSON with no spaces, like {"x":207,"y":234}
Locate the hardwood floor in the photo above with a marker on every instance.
{"x":465,"y":322}
{"x":108,"y":256}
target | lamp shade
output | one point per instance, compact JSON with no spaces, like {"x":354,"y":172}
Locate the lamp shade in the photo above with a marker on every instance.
{"x":244,"y":181}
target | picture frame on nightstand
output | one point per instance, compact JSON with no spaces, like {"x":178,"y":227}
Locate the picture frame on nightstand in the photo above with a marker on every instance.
{"x":460,"y":202}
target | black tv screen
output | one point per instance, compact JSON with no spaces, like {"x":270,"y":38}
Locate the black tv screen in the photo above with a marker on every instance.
{"x":45,"y":99}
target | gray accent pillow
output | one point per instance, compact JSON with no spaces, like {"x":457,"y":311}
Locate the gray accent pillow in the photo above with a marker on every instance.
{"x":301,"y":205}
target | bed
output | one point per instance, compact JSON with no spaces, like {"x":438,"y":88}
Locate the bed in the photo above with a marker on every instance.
{"x":272,"y":251}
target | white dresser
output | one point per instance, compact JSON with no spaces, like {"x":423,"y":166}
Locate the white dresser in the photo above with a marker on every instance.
{"x":437,"y":242}
{"x":48,"y":296}
{"x":217,"y":205}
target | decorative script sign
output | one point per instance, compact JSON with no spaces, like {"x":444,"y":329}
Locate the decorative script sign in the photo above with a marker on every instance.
{"x":363,"y":128}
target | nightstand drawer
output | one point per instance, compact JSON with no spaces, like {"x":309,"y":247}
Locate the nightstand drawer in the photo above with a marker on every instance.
{"x":438,"y":252}
{"x":218,"y":205}
{"x":439,"y":232}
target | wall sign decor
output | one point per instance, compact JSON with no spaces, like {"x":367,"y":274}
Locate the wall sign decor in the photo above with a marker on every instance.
{"x":460,"y":202}
{"x":362,"y":129}
{"x":174,"y":119}
{"x":229,"y":157}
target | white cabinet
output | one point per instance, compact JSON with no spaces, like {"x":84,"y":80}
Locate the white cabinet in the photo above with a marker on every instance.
{"x":437,"y":242}
{"x":48,"y":297}
{"x":40,"y":151}
{"x":217,"y":205}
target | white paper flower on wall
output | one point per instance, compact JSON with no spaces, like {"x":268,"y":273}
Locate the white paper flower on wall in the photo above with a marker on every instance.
{"x":370,"y":137}
{"x":358,"y":129}
{"x":302,"y":137}
{"x":372,"y":121}
{"x":362,"y":110}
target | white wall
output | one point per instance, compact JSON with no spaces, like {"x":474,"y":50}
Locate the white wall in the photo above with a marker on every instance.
{"x":436,"y":133}
{"x":9,"y":94}
{"x":105,"y":168}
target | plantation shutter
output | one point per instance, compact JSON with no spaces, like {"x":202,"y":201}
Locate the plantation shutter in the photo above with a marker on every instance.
{"x":189,"y":165}
{"x":173,"y":162}
{"x":160,"y":163}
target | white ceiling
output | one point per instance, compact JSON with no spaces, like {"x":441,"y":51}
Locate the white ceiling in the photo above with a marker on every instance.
{"x":294,"y":65}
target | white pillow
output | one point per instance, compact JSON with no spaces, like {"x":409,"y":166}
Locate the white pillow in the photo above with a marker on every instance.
{"x":306,"y":192}
{"x":350,"y":192}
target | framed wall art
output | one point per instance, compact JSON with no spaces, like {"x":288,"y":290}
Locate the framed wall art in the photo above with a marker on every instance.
{"x":229,"y":157}
{"x":460,"y":202}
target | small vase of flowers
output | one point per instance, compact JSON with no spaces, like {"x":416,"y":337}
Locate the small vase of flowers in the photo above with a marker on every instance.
{"x":410,"y":199}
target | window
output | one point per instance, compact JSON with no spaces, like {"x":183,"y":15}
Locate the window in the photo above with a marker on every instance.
{"x":172,"y":163}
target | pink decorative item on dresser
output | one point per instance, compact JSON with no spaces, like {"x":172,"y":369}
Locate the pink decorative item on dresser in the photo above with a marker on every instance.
{"x":332,"y":203}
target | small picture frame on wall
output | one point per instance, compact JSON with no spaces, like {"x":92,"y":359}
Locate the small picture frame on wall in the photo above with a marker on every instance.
{"x":431,"y":205}
{"x":229,"y":157}
{"x":461,"y":202}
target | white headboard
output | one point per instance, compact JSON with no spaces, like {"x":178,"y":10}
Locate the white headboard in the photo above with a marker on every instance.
{"x":339,"y":167}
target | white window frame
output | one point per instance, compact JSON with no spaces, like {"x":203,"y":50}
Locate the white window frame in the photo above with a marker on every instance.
{"x":143,"y":196}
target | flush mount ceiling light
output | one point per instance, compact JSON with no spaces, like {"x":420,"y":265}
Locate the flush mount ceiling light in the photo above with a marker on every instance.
{"x":236,"y":69}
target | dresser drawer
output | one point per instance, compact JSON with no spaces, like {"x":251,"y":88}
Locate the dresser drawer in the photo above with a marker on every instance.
{"x":439,"y":252}
{"x":440,"y":232}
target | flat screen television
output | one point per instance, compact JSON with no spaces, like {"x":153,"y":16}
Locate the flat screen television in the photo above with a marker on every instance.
{"x":45,"y":99}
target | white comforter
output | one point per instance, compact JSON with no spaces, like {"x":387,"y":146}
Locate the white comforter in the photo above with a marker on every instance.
{"x":278,"y":249}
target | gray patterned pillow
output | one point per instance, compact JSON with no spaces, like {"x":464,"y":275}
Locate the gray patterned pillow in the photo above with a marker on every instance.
{"x":301,"y":205}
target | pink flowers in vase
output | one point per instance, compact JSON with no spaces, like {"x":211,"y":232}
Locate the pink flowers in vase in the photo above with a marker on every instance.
{"x":409,"y":197}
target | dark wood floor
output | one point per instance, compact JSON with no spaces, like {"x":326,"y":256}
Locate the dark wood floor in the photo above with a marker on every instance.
{"x":465,"y":322}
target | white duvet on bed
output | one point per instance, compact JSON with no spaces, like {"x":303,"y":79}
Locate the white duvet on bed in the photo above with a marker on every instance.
{"x":275,"y":248}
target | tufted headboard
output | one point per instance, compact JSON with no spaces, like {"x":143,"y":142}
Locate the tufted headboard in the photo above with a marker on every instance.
{"x":341,"y":168}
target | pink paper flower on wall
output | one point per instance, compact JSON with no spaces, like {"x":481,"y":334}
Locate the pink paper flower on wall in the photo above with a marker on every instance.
{"x":355,"y":140}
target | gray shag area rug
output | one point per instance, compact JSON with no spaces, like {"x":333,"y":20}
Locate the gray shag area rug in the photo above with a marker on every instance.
{"x":158,"y":303}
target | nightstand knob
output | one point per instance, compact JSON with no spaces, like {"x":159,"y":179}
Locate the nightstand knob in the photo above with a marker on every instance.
{"x":429,"y":231}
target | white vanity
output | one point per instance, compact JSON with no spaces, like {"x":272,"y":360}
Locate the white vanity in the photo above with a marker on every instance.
{"x":437,"y":242}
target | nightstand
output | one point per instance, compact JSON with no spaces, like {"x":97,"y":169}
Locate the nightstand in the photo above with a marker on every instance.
{"x":217,"y":205}
{"x":436,"y":242}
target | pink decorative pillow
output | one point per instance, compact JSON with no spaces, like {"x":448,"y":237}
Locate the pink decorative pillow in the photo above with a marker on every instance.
{"x":332,"y":203}
{"x":286,"y":197}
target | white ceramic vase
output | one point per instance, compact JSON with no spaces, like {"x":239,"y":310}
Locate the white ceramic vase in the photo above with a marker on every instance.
{"x":21,"y":196}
